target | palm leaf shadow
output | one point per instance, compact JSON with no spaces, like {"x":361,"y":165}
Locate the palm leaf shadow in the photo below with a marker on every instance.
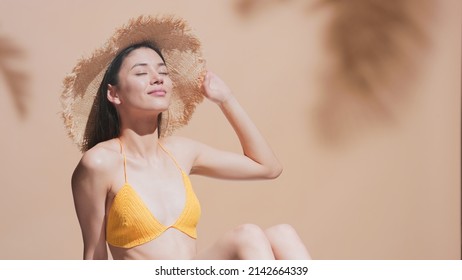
{"x":375,"y":48}
{"x":248,"y":8}
{"x":16,"y":79}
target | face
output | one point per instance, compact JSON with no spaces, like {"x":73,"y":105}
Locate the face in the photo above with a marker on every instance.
{"x":144,"y":83}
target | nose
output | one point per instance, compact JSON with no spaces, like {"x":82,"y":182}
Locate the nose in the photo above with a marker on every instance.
{"x":157,"y":78}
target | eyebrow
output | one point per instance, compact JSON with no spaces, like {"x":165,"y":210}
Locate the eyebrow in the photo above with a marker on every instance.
{"x":145,"y":64}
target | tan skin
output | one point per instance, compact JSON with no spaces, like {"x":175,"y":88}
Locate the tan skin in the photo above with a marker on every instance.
{"x":143,"y":92}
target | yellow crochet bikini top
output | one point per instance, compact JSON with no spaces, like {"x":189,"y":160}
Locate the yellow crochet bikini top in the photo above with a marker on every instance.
{"x":130,"y":223}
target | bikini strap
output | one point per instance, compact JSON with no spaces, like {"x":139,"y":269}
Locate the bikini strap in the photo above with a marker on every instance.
{"x":171,"y":156}
{"x":125,"y":159}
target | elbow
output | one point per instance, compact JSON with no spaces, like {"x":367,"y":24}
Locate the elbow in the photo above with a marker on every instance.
{"x":274,"y":172}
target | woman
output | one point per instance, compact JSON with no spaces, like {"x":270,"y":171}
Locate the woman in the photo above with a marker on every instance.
{"x":131,"y":188}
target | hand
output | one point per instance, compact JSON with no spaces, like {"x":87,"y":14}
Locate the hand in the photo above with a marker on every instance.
{"x":215,"y":89}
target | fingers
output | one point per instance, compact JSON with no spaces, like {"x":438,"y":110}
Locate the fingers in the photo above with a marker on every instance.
{"x":214,"y":88}
{"x":206,"y":82}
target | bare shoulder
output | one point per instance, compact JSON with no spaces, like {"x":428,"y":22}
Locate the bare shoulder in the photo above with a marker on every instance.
{"x":101,"y":156}
{"x":97,"y":163}
{"x":183,"y":149}
{"x":179,"y":144}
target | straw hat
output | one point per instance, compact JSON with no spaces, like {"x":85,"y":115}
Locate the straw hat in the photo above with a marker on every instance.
{"x":183,"y":57}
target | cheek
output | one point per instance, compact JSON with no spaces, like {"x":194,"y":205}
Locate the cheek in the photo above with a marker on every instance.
{"x":133,"y":85}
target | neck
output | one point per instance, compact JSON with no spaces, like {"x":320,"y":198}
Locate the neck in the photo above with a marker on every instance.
{"x":140,"y":136}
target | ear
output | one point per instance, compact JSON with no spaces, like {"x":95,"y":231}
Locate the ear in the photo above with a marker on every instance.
{"x":112,"y":94}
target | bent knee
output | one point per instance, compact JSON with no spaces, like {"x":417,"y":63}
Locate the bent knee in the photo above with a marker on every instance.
{"x":281,"y":230}
{"x":248,"y":234}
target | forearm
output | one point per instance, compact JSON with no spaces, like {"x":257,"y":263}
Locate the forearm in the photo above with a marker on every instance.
{"x":252,"y":141}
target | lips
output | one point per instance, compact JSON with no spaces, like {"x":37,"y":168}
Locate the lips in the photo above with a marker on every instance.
{"x":157,"y":92}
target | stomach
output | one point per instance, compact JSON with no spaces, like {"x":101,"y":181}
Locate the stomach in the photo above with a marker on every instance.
{"x":170,"y":245}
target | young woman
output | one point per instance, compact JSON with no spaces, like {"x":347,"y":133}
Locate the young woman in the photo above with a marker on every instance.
{"x":131,"y":188}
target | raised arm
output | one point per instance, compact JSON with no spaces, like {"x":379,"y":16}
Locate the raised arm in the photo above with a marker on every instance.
{"x":257,"y":160}
{"x":89,"y":191}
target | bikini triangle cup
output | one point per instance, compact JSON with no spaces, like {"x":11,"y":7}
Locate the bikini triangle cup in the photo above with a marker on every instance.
{"x":130,"y":223}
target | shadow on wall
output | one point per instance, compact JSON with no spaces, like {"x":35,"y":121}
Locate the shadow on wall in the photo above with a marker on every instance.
{"x":247,"y":8}
{"x":372,"y":56}
{"x":15,"y":78}
{"x":375,"y":48}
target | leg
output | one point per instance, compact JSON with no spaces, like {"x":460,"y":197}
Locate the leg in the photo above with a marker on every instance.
{"x":286,"y":244}
{"x":246,"y":242}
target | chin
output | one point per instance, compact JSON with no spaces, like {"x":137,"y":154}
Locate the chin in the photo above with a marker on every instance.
{"x":160,"y":106}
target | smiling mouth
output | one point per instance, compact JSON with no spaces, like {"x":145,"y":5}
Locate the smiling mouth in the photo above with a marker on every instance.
{"x":159,"y":92}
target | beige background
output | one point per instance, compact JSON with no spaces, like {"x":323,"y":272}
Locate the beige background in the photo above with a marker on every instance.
{"x":386,"y":190}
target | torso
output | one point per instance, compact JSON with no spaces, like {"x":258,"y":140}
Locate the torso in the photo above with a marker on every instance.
{"x":160,"y":186}
{"x":172,"y":244}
